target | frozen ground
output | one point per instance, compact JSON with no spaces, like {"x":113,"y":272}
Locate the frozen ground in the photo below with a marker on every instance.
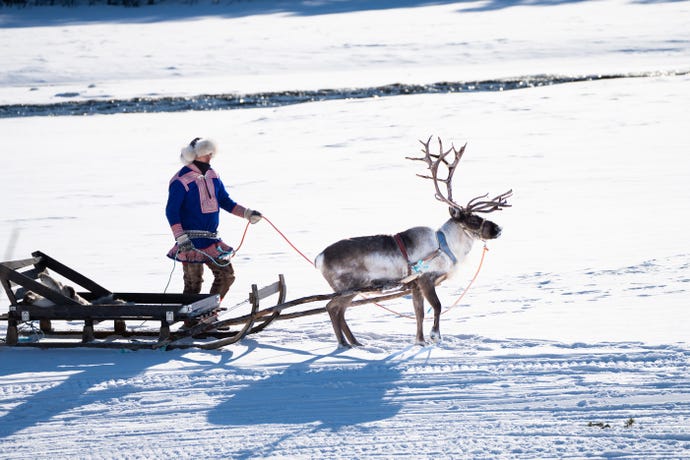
{"x":573,"y":343}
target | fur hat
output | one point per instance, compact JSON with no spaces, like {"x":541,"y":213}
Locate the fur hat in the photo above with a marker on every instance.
{"x":199,"y":147}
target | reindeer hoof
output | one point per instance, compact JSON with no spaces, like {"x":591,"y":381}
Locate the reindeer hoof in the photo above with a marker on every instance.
{"x":421,"y":343}
{"x":435,"y":336}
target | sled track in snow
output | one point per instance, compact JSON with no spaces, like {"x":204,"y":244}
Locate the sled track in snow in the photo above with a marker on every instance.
{"x":478,"y":397}
{"x":281,"y":98}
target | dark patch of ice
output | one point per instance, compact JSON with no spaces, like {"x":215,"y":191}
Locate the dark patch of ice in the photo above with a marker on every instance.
{"x":281,"y":98}
{"x":67,"y":95}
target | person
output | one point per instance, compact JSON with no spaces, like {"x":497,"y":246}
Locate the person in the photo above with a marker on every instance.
{"x":195,"y":197}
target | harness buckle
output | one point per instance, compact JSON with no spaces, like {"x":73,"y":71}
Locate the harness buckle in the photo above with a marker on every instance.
{"x":420,"y":266}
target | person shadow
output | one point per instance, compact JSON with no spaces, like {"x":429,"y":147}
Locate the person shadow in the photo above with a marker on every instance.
{"x":344,"y":391}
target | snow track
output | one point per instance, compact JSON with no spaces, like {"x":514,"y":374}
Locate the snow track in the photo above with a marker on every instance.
{"x":467,"y":397}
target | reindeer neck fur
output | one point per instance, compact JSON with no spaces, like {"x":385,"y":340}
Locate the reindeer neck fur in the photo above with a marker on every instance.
{"x":459,"y":240}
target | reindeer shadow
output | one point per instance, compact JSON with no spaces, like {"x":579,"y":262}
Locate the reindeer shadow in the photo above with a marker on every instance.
{"x":349,"y":392}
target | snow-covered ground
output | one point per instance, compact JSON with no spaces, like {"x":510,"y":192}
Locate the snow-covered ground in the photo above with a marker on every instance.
{"x":572,"y":343}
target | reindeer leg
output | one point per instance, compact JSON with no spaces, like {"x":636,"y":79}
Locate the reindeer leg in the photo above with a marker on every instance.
{"x":345,"y":328}
{"x":333,"y":308}
{"x":343,"y":324}
{"x":336,"y":310}
{"x":418,"y":303}
{"x":429,"y":290}
{"x":348,"y":333}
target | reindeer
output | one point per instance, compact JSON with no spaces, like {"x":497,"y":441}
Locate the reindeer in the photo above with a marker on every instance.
{"x":419,"y":257}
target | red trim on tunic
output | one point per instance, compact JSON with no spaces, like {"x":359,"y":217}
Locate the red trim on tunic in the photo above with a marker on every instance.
{"x":207,"y":194}
{"x":197,"y":258}
{"x":177,"y":230}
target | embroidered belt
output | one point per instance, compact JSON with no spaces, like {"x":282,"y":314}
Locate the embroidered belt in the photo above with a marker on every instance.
{"x":201,"y":234}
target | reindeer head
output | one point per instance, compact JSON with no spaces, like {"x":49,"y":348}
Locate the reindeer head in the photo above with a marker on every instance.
{"x":466,"y":216}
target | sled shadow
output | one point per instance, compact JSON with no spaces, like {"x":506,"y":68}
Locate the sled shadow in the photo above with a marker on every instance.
{"x":100,"y":368}
{"x":349,"y":392}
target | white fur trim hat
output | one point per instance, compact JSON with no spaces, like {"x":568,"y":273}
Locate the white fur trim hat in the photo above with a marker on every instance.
{"x":199,"y":147}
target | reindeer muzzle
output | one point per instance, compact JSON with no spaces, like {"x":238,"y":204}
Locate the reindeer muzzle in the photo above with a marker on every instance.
{"x":489,"y":231}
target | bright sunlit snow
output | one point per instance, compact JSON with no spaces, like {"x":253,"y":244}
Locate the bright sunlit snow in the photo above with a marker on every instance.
{"x":573,"y":341}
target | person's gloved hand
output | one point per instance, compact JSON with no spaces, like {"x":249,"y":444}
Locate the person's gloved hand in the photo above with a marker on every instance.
{"x":252,"y":216}
{"x":184,"y":243}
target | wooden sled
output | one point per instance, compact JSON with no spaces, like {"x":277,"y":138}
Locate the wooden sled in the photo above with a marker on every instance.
{"x":22,"y":281}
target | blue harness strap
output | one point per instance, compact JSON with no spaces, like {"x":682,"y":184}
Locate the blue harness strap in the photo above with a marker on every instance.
{"x":443,"y":245}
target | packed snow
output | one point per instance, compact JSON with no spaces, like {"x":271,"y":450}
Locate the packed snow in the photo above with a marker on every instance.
{"x":573,"y":340}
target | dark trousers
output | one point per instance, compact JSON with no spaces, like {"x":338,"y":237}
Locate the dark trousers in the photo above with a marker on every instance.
{"x":223,"y":277}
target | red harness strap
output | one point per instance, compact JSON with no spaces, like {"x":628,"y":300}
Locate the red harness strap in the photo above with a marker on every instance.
{"x":401,"y":246}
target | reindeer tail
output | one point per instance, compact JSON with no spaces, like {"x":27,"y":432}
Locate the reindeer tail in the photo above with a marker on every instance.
{"x":318,"y":262}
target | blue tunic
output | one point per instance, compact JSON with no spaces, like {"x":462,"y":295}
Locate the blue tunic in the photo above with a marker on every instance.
{"x":194,"y":203}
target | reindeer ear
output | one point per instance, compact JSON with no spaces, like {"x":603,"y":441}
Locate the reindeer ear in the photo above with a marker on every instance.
{"x":456,"y":213}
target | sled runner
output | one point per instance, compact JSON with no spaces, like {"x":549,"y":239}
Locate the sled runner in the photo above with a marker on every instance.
{"x":36,"y":295}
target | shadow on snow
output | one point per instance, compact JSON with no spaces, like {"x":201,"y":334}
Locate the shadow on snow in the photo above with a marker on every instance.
{"x":331,"y":396}
{"x":93,"y":366}
{"x":349,"y":392}
{"x":64,"y":14}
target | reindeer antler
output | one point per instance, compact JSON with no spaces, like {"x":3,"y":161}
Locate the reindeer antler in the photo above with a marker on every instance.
{"x":433,"y":161}
{"x":494,"y":204}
